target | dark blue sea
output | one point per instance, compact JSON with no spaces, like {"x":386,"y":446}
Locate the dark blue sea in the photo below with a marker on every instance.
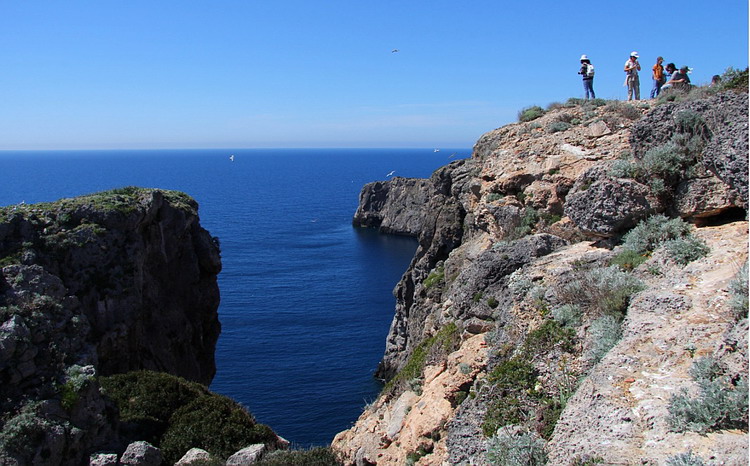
{"x":306,"y":299}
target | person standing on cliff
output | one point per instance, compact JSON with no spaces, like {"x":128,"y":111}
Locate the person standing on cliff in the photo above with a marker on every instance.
{"x":658,"y":77}
{"x":587,"y":70}
{"x":632,"y":67}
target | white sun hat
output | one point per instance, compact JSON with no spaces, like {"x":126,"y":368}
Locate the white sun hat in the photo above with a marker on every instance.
{"x":634,"y":54}
{"x":584,"y":57}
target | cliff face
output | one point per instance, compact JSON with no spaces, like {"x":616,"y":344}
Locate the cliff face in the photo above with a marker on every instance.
{"x":523,"y":232}
{"x":100,"y":284}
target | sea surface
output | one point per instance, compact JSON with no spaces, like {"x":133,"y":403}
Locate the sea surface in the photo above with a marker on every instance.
{"x":306,"y":299}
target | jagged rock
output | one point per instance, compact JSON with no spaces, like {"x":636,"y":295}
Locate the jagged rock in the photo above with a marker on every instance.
{"x":141,"y":454}
{"x":396,"y":206}
{"x":248,"y":455}
{"x":194,"y":455}
{"x":103,"y":459}
{"x":609,"y":206}
{"x":598,"y":129}
{"x":702,"y":197}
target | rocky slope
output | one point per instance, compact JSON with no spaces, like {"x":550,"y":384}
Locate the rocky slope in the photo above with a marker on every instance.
{"x":516,"y":237}
{"x":98,"y":285}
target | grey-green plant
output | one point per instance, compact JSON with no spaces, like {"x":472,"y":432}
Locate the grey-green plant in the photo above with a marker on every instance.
{"x":721,"y":403}
{"x":568,"y":315}
{"x":23,"y":432}
{"x":522,"y":448}
{"x":738,"y":293}
{"x":530,"y":113}
{"x":673,"y":234}
{"x":602,"y":291}
{"x":604,"y":333}
{"x":557,"y":126}
{"x":685,"y":459}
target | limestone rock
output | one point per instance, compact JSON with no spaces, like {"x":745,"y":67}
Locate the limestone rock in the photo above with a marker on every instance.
{"x":247,"y":455}
{"x":141,"y":454}
{"x":702,"y":197}
{"x":103,"y":459}
{"x":194,"y":455}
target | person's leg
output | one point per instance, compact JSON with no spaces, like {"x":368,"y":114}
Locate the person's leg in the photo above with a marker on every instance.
{"x":637,"y":87}
{"x":655,"y":89}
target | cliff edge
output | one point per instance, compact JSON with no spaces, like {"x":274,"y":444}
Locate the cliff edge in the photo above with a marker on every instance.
{"x":571,"y":280}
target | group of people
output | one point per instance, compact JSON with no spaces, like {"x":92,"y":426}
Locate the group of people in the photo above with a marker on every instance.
{"x":663,"y":78}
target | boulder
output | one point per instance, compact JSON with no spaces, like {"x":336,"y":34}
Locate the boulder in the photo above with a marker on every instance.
{"x":141,"y":454}
{"x":702,"y":197}
{"x":248,"y":455}
{"x":194,"y":455}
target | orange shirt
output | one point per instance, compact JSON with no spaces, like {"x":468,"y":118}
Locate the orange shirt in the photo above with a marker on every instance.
{"x":658,"y":72}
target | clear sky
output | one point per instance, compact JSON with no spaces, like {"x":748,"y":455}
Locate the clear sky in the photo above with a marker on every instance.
{"x":305,"y":73}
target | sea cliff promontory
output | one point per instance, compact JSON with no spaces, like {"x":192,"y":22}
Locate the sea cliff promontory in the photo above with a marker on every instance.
{"x":108,"y":326}
{"x":578,"y":295}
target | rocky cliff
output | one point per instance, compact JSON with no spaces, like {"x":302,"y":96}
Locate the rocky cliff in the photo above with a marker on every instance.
{"x":97,"y":285}
{"x":569,"y":277}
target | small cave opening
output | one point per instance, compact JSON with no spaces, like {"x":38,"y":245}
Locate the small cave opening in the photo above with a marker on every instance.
{"x":730,"y":215}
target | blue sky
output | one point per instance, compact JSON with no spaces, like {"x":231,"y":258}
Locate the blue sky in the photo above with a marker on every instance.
{"x":301,"y":73}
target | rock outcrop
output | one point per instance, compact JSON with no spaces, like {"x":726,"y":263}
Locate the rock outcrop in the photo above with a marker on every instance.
{"x":514,"y":261}
{"x":98,"y":285}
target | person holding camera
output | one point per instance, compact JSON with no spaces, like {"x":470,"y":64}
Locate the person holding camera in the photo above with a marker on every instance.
{"x":632,"y":67}
{"x":587,"y":71}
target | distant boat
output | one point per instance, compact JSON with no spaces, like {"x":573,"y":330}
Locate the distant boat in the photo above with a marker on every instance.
{"x":231,"y":158}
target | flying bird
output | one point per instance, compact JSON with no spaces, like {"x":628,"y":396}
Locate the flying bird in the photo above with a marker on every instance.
{"x":395,"y":51}
{"x":231,"y":158}
{"x":391,"y":173}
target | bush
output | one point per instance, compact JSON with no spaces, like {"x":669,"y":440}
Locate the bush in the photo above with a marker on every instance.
{"x":628,"y":259}
{"x":516,"y":448}
{"x":548,"y":335}
{"x":624,"y":110}
{"x":512,"y":381}
{"x":605,"y":333}
{"x":24,"y":432}
{"x":320,"y":456}
{"x":557,"y":126}
{"x":738,"y":293}
{"x":435,"y":277}
{"x":530,"y":113}
{"x":176,"y":415}
{"x":687,"y":249}
{"x":648,"y":235}
{"x":673,"y":234}
{"x":216,"y":424}
{"x":603,"y":291}
{"x":685,"y":459}
{"x":721,"y":404}
{"x":568,"y":315}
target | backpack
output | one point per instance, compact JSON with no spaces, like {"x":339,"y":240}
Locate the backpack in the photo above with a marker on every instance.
{"x":589,"y":70}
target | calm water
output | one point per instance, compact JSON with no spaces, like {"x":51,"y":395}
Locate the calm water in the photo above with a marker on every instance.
{"x":306,"y":299}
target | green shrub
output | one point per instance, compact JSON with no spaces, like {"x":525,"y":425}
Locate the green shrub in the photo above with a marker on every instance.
{"x":738,"y":292}
{"x":720,"y":404}
{"x":734,"y":79}
{"x":435,"y":277}
{"x":628,"y":259}
{"x":440,"y":344}
{"x":622,"y":109}
{"x":557,"y":126}
{"x":548,"y":335}
{"x":516,"y":448}
{"x":530,"y":113}
{"x":685,"y":459}
{"x":492,"y":197}
{"x":605,"y":332}
{"x":512,"y":381}
{"x":492,"y":302}
{"x":176,"y":415}
{"x":216,"y":424}
{"x":24,"y":432}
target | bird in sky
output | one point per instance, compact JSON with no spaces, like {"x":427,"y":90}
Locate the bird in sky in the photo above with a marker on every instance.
{"x":391,"y":173}
{"x":394,"y":50}
{"x":231,"y":158}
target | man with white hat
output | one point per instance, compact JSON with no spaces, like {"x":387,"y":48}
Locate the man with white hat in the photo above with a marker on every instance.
{"x":587,"y":70}
{"x":632,"y":67}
